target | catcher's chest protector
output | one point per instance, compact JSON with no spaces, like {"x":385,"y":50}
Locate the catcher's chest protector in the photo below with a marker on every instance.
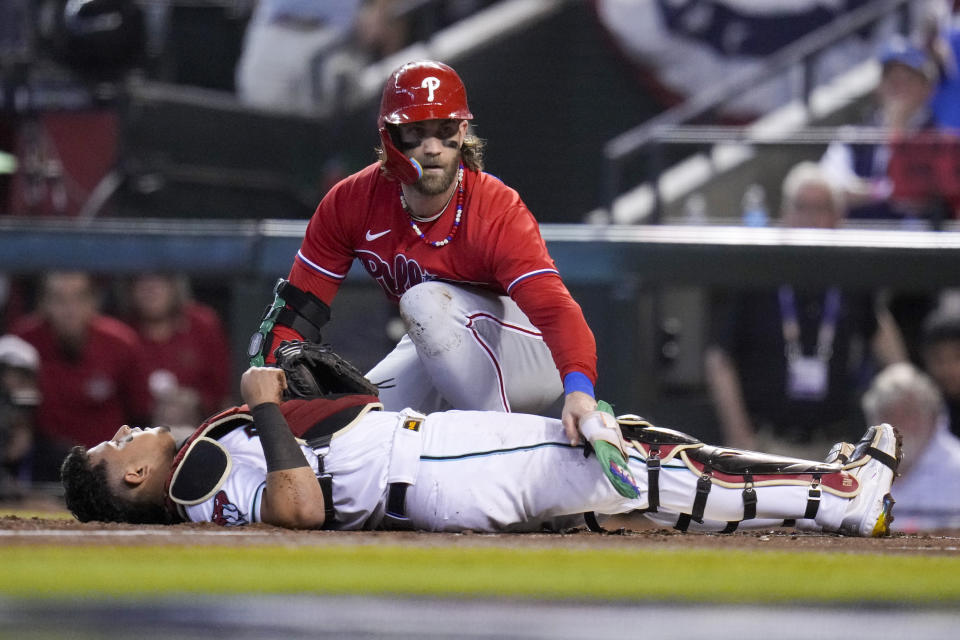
{"x":202,"y":465}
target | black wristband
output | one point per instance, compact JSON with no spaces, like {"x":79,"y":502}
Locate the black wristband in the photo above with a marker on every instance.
{"x":280,"y":448}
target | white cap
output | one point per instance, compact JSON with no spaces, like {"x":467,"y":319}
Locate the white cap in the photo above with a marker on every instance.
{"x":17,"y":352}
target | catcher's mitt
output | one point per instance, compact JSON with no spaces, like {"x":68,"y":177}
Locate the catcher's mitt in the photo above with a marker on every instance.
{"x":315,"y":370}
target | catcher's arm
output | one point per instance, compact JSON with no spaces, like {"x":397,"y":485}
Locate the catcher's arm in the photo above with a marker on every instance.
{"x":293,"y":498}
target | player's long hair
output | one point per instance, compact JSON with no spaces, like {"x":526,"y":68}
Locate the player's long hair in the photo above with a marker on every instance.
{"x":471,"y":151}
{"x":89,"y":497}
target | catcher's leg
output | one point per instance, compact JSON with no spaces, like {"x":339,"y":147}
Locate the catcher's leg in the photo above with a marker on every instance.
{"x":479,"y":349}
{"x":490,"y":471}
{"x":697,"y":487}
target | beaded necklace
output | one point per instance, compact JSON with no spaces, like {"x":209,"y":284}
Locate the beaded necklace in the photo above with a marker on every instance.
{"x":456,"y":221}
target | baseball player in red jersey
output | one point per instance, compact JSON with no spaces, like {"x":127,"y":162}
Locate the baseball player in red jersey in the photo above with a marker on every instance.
{"x":490,"y":323}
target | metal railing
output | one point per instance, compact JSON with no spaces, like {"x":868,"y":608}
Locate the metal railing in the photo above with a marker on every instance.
{"x":645,"y":137}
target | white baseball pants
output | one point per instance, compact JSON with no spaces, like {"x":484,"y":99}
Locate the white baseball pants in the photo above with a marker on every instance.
{"x":489,"y":471}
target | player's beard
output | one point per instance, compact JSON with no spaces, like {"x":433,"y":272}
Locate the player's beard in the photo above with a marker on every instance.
{"x":434,"y":185}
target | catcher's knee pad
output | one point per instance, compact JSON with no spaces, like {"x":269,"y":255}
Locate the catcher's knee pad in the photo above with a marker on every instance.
{"x":730,"y":468}
{"x":300,"y":310}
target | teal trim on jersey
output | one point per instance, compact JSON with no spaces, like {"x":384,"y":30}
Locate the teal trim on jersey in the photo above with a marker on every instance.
{"x":674,"y":464}
{"x":499,"y":452}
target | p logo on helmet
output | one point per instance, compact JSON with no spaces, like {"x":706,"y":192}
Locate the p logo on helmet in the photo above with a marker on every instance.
{"x":431,"y":84}
{"x":417,"y":91}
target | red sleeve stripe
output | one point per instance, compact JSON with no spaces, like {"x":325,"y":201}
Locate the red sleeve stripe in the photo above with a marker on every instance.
{"x":530,"y":275}
{"x":317,"y":267}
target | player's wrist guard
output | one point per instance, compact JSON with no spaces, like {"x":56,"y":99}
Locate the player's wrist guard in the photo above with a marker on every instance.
{"x":291,"y":307}
{"x":577,"y":381}
{"x":280,"y":448}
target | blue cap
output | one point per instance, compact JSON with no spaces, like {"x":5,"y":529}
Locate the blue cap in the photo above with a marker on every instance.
{"x":899,"y":50}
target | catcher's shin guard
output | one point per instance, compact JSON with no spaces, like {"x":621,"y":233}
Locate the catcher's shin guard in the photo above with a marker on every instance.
{"x":291,"y":307}
{"x":749,"y":473}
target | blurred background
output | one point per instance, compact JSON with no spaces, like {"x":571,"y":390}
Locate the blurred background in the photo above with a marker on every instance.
{"x":171,"y":152}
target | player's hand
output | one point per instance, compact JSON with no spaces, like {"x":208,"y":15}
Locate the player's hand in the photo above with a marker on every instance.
{"x":262,"y":384}
{"x":576,"y":405}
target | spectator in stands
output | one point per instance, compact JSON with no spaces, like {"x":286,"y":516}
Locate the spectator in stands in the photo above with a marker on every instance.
{"x":679,"y":48}
{"x":283,"y":40}
{"x":91,"y":365}
{"x":296,"y":52}
{"x":928,"y":491}
{"x":186,"y":350}
{"x":941,"y":36}
{"x":784,"y":367}
{"x":940,"y":352}
{"x":902,"y":107}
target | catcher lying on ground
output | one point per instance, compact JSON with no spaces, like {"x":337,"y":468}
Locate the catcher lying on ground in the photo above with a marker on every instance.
{"x":341,"y":462}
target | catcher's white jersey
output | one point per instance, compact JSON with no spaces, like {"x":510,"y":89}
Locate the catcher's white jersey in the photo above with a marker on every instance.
{"x":485,"y":471}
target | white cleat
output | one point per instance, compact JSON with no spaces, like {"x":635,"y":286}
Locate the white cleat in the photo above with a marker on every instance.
{"x":873,"y":463}
{"x":840,"y":453}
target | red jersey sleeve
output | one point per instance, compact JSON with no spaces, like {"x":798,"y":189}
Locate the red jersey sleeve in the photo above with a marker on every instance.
{"x":525,"y":270}
{"x":552,"y":309}
{"x":515,"y":249}
{"x":327,"y":251}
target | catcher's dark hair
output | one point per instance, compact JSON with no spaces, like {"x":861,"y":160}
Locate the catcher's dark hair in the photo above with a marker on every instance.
{"x":89,"y":497}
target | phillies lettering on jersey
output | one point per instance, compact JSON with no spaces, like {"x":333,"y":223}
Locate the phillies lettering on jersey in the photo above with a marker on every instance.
{"x":394,"y":281}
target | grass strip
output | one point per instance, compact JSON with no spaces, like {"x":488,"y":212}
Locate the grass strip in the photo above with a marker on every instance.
{"x":696,"y":575}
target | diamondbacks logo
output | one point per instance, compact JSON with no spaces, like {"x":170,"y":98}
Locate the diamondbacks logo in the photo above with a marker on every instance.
{"x":395,"y":279}
{"x":225,"y":513}
{"x":431,"y":84}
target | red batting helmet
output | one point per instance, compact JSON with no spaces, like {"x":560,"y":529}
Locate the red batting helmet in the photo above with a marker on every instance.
{"x":424,"y":90}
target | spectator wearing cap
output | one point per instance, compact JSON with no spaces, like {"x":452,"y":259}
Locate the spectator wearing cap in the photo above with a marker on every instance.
{"x":901,"y":107}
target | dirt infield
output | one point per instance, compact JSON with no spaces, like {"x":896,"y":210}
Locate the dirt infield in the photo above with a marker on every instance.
{"x":49,"y":523}
{"x":16,"y":530}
